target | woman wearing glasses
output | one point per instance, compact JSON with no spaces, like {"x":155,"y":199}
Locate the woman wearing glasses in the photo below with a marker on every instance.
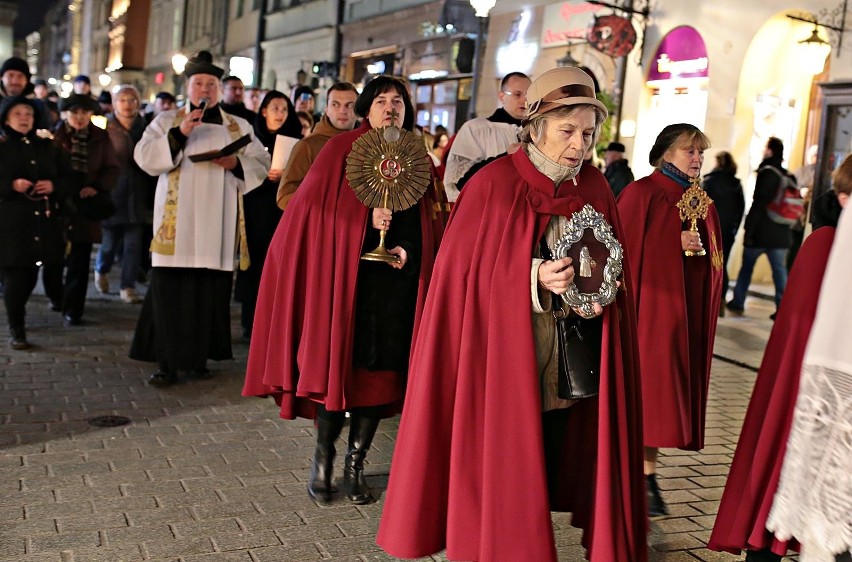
{"x":32,"y":171}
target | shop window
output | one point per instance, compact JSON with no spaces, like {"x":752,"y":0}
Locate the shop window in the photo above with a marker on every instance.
{"x":436,"y":105}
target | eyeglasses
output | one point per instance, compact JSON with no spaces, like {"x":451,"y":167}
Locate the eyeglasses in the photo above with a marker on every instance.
{"x":515,"y":94}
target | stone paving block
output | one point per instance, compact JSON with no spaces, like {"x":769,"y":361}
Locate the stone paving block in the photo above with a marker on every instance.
{"x":673,"y":541}
{"x":57,"y":509}
{"x":90,"y":468}
{"x":707,"y":507}
{"x":676,"y":484}
{"x":138,"y":535}
{"x":79,"y":444}
{"x":289,"y":553}
{"x":147,"y":488}
{"x":238,"y":556}
{"x":312,"y":532}
{"x":680,"y":496}
{"x":117,"y":477}
{"x":277,"y":478}
{"x":348,"y":545}
{"x":179,"y":547}
{"x":213,"y":483}
{"x":91,"y":522}
{"x":84,"y":493}
{"x":244,"y":541}
{"x":188,"y":498}
{"x":104,"y":505}
{"x":59,"y":542}
{"x":666,"y":472}
{"x":710,"y":493}
{"x":37,"y":557}
{"x":225,"y":509}
{"x":259,"y":522}
{"x":301,"y":502}
{"x":139,"y":464}
{"x":176,"y":473}
{"x":207,"y":527}
{"x":673,"y":525}
{"x":12,"y":547}
{"x":154,"y":517}
{"x":238,"y":469}
{"x":123,"y":553}
{"x":359,"y":527}
{"x":713,"y":469}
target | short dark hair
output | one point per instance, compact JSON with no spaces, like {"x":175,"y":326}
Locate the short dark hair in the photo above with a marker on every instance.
{"x":343,"y":87}
{"x":511,"y":75}
{"x":380,"y":85}
{"x":726,"y":162}
{"x":231,"y":78}
{"x":776,"y":146}
{"x":166,"y":96}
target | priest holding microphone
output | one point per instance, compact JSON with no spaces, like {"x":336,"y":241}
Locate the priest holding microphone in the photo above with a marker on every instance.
{"x":199,"y":227}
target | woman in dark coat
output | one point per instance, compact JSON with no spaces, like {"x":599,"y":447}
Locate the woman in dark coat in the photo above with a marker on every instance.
{"x":130,"y":196}
{"x":95,"y":169}
{"x":726,"y":191}
{"x":32,"y":176}
{"x":276,"y":116}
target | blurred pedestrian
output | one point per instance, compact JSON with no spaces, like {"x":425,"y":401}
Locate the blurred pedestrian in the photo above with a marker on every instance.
{"x":333,"y":332}
{"x":306,"y":121}
{"x":232,"y":99}
{"x":130,"y":196}
{"x":164,"y":101}
{"x":96,"y":170}
{"x":198,"y":227}
{"x":82,"y":85}
{"x":726,"y":191}
{"x":33,"y":176}
{"x":763,"y":235}
{"x":276,"y":116}
{"x":677,"y":297}
{"x":617,"y":173}
{"x":483,"y":390}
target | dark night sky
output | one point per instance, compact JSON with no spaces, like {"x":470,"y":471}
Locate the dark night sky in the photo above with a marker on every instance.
{"x":30,"y":16}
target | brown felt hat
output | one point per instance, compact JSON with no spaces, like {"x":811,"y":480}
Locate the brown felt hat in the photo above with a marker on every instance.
{"x":560,"y":87}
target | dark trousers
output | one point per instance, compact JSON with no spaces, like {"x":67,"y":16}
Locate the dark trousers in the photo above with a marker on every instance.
{"x":51,"y":278}
{"x":20,"y":282}
{"x":76,"y":279}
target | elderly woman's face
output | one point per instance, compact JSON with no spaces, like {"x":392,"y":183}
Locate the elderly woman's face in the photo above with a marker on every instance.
{"x":686,"y":159}
{"x":565,"y":140}
{"x":20,"y":118}
{"x":383,"y":104}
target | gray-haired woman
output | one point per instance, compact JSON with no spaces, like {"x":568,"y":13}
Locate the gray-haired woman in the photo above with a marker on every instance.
{"x":486,"y":447}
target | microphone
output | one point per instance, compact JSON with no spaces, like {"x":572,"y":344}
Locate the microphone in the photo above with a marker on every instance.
{"x":202,"y":105}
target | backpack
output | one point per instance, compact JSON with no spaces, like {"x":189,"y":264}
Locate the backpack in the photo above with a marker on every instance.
{"x":787,"y":207}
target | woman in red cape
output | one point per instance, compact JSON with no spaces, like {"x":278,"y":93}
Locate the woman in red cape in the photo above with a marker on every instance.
{"x":332,"y":333}
{"x":469,"y":472}
{"x":756,"y":469}
{"x":677,"y":297}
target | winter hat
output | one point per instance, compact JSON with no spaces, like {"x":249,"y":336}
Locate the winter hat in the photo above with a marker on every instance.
{"x":15,"y":63}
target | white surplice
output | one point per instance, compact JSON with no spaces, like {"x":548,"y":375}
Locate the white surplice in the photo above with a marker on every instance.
{"x":476,"y":140}
{"x":206,"y":229}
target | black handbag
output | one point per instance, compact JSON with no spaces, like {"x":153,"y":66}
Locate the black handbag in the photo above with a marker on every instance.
{"x":97,"y":207}
{"x":578,"y":345}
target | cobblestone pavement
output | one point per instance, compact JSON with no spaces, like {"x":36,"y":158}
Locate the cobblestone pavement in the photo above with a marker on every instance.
{"x":203,"y":475}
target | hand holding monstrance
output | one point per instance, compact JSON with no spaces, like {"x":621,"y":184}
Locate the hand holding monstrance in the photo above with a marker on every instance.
{"x":693,"y":205}
{"x":389,"y":170}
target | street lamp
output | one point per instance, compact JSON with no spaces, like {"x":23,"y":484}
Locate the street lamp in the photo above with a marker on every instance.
{"x":178,"y":65}
{"x":481,"y":7}
{"x":813,"y":51}
{"x":104,"y":79}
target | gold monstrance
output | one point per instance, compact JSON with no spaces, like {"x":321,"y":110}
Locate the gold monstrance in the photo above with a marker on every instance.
{"x":693,"y":206}
{"x":388,"y":168}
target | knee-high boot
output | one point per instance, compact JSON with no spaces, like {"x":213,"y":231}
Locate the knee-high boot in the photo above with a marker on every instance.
{"x":361,"y":433}
{"x":765,"y":555}
{"x":329,"y":425}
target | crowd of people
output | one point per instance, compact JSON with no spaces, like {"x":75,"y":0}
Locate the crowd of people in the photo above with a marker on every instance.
{"x":463,"y":324}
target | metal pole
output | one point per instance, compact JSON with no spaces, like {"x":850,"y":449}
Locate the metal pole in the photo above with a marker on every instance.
{"x":477,"y":64}
{"x":618,"y":87}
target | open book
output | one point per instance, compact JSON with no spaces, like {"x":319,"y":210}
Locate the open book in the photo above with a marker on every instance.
{"x":224,"y":151}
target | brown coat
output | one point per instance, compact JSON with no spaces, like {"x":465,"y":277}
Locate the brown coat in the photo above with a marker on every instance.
{"x":303,"y":155}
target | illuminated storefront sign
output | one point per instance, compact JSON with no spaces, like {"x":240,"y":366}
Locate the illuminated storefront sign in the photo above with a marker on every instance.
{"x":567,"y":22}
{"x":680,"y":58}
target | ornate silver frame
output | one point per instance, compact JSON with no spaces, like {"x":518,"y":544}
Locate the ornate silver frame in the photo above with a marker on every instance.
{"x":577,"y":224}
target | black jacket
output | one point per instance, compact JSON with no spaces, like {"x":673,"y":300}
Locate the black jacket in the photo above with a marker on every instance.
{"x":240,"y":110}
{"x":30,"y":227}
{"x":618,"y":175}
{"x":132,"y":192}
{"x":760,"y":230}
{"x":726,"y":191}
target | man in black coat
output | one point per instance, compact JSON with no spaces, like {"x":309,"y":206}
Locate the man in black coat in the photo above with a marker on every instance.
{"x":232,"y":99}
{"x":762,"y":234}
{"x":617,"y":172}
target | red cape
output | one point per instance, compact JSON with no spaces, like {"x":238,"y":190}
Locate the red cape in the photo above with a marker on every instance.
{"x":301,"y":345}
{"x":677,"y":305}
{"x":753,"y":479}
{"x":468,"y":467}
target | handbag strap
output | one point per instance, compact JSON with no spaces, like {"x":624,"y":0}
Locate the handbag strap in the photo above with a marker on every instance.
{"x":557,"y":310}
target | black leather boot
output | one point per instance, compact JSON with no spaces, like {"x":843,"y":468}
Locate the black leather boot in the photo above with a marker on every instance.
{"x":656,"y":505}
{"x":361,"y":433}
{"x":329,"y":425}
{"x":764,"y":555}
